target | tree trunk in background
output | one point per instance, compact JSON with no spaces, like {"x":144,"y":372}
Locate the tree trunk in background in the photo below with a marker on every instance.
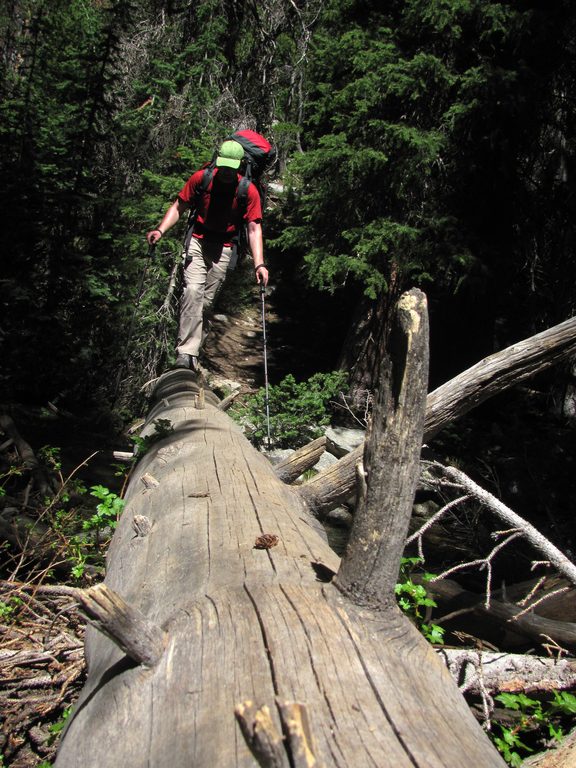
{"x":362,"y":348}
{"x":220,"y":564}
{"x":357,"y":351}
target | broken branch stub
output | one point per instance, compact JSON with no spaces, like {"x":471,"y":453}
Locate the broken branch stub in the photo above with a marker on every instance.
{"x":265,"y":741}
{"x":370,"y":565}
{"x":138,"y":637}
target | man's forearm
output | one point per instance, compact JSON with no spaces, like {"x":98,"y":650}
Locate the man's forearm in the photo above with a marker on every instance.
{"x":257,"y":248}
{"x":171,"y":216}
{"x":256,"y":244}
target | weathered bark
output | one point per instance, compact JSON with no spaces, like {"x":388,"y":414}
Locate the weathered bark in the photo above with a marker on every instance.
{"x":483,"y":671}
{"x":461,"y":394}
{"x":369,"y":568}
{"x":253,"y":635}
{"x":302,"y":459}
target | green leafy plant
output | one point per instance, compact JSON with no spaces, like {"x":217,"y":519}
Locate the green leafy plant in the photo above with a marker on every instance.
{"x":50,"y":456}
{"x":107,"y":512}
{"x":65,"y":526}
{"x":413,"y":599}
{"x":533,"y":718}
{"x":162,"y":428}
{"x":9,"y":609}
{"x":82,"y":549}
{"x":298,"y":410}
{"x":5,"y":477}
{"x":56,"y":728}
{"x":77,"y":531}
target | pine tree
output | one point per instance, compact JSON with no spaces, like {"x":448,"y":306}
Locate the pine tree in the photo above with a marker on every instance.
{"x":424,"y":122}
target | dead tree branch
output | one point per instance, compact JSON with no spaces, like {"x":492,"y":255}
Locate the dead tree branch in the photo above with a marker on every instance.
{"x":497,"y":373}
{"x":491,"y":376}
{"x":459,"y":480}
{"x":477,"y":671}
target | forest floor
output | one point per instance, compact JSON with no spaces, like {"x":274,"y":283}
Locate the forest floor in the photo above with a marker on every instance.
{"x":303,"y":335}
{"x":234,"y":349}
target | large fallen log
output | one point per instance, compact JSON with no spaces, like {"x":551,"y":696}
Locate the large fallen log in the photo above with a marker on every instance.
{"x":489,"y":377}
{"x":256,"y":658}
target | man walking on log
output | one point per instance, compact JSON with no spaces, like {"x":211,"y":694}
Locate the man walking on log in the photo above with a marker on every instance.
{"x":210,"y":248}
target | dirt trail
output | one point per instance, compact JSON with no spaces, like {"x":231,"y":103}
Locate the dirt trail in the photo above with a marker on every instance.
{"x":304,"y":335}
{"x":234,"y":348}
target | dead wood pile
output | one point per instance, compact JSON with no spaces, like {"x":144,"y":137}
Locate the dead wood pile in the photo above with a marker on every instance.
{"x":41,"y":670}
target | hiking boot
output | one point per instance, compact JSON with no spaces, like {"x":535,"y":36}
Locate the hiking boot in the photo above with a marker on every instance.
{"x":187,"y":361}
{"x":183,"y":361}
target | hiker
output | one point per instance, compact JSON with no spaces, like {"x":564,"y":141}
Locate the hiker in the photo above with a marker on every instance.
{"x":212,"y":244}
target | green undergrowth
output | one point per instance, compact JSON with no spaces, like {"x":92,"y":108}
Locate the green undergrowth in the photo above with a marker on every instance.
{"x":414,"y":600}
{"x":526,"y":725}
{"x":298,"y":411}
{"x":519,"y":725}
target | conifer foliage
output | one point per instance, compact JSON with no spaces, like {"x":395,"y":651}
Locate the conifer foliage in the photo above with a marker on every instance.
{"x":430,"y":138}
{"x":437,"y":142}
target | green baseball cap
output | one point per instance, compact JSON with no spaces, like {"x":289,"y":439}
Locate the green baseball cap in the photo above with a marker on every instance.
{"x":230,"y":155}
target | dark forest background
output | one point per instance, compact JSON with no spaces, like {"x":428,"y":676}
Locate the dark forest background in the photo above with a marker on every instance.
{"x":421,"y":142}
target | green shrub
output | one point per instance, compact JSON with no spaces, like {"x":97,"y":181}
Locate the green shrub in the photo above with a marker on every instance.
{"x":298,"y":410}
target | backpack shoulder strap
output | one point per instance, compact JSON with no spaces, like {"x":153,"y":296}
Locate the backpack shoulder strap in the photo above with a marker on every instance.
{"x":242,"y":194}
{"x":204,"y":184}
{"x":241,"y":239}
{"x":200,"y":190}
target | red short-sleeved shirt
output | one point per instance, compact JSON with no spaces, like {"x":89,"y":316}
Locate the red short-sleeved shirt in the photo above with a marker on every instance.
{"x":218,"y":217}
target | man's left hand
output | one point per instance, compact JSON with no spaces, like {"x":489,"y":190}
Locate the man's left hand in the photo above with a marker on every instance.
{"x":262,"y":275}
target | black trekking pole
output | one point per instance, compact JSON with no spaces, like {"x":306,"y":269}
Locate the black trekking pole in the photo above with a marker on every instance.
{"x":263,"y":297}
{"x":150,"y":254}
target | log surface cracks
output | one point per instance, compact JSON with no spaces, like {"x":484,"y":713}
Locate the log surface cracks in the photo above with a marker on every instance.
{"x":250,"y":630}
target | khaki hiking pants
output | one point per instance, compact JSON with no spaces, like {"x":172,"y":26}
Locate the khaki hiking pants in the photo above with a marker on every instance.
{"x":205,"y":268}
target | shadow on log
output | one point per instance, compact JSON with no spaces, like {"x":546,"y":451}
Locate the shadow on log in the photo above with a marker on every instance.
{"x":263,"y":660}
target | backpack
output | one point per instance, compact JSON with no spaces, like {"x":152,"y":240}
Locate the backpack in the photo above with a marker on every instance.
{"x":258,"y":155}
